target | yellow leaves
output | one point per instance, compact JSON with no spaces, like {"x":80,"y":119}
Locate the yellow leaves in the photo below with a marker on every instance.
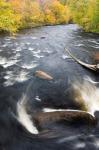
{"x":56,"y":13}
{"x":16,"y":5}
{"x":59,"y":12}
{"x":85,"y":13}
{"x":17,"y":14}
{"x":49,"y":17}
{"x":68,"y":14}
{"x":6,"y":17}
{"x":36,"y":14}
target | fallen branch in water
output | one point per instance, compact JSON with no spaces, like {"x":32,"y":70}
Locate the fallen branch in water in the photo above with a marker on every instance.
{"x":89,"y":66}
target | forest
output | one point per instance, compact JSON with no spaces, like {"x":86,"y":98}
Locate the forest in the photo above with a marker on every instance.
{"x":21,"y":14}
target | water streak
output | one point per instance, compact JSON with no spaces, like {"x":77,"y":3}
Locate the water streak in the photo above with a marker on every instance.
{"x":86,"y":94}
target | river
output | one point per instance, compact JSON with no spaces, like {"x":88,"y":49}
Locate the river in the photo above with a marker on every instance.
{"x":42,"y":48}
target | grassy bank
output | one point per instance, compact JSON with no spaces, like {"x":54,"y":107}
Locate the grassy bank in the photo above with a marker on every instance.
{"x":20,"y":14}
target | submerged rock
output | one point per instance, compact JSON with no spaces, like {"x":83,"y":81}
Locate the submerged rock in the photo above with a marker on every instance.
{"x":43,"y":75}
{"x":70,"y":117}
{"x":43,"y":37}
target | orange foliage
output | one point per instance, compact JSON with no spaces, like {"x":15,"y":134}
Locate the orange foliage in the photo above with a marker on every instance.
{"x":30,"y":13}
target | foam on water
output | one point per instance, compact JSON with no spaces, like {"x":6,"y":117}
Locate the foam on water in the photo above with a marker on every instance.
{"x":87,"y":94}
{"x":7,"y":39}
{"x":4,"y":45}
{"x":16,"y":56}
{"x":90,"y":80}
{"x":37,"y":98}
{"x":93,"y":41}
{"x":12,"y":77}
{"x":30,"y":66}
{"x":37,"y":44}
{"x":27,"y":43}
{"x":8,"y":75}
{"x":16,"y":44}
{"x":48,"y":51}
{"x":22,"y":76}
{"x":79,"y":45}
{"x":80,"y":145}
{"x":65,"y":56}
{"x":18,"y":49}
{"x":36,"y":52}
{"x":97,"y":142}
{"x":23,"y":117}
{"x":10,"y":63}
{"x":70,"y":138}
{"x":30,"y":48}
{"x":53,"y":110}
{"x":34,"y":38}
{"x":3,"y":60}
{"x":38,"y":56}
{"x":95,"y":46}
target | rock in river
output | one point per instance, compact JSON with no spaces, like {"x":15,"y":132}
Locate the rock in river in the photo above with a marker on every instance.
{"x":43,"y":75}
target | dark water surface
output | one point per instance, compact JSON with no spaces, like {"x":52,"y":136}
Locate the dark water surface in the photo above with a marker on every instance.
{"x":43,"y":49}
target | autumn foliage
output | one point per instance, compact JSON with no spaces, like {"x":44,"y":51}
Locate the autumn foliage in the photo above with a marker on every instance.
{"x":19,"y":14}
{"x":85,"y":13}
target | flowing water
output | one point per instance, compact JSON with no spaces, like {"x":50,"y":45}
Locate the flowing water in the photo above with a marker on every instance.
{"x":42,"y":48}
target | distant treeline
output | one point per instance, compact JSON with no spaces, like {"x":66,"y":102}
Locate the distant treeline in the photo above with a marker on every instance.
{"x":19,"y":14}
